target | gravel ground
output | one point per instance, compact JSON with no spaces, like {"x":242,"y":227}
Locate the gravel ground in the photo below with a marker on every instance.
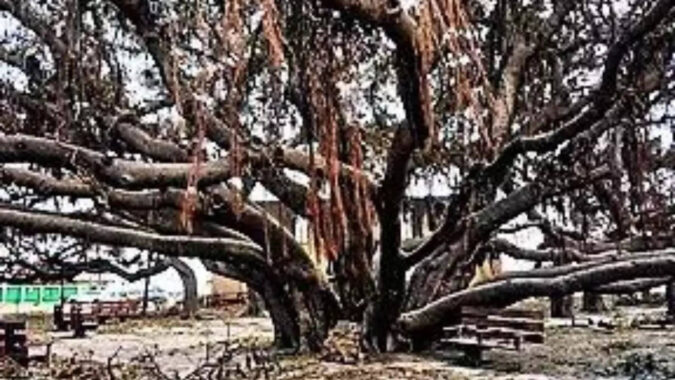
{"x":178,"y":347}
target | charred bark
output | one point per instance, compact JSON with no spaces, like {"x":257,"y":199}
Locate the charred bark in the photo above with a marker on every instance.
{"x":276,"y":298}
{"x":383,"y":309}
{"x":506,"y":291}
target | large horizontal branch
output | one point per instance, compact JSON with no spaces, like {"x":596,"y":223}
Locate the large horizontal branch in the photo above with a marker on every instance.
{"x":631,"y":244}
{"x":116,"y":172}
{"x":551,"y":254}
{"x":45,"y":184}
{"x":632,"y":286}
{"x":300,"y":161}
{"x":219,"y":207}
{"x":219,"y":249}
{"x":289,"y":192}
{"x":508,"y":291}
{"x":582,"y":251}
{"x":106,"y":266}
{"x":561,"y":270}
{"x":485,"y":221}
{"x":140,"y":141}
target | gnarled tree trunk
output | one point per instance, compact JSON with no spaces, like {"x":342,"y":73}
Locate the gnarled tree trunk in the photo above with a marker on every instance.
{"x":277,"y":298}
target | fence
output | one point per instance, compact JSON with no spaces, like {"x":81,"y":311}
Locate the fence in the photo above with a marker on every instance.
{"x":29,"y":297}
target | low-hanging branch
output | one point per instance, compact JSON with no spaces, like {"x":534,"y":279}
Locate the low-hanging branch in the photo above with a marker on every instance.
{"x":224,"y":249}
{"x":511,"y":290}
{"x":632,"y":286}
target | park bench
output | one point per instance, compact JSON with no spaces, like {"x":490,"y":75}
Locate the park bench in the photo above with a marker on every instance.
{"x":14,"y":344}
{"x":223,"y":299}
{"x":82,"y":319}
{"x":82,"y":316}
{"x":482,"y":329}
{"x":121,"y":310}
{"x":78,"y":317}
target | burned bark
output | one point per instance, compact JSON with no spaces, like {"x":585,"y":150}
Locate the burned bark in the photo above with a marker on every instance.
{"x":276,"y":297}
{"x":510,"y":290}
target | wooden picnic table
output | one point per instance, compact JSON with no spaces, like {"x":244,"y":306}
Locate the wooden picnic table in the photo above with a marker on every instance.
{"x":14,"y":343}
{"x":82,"y":316}
{"x":482,"y":329}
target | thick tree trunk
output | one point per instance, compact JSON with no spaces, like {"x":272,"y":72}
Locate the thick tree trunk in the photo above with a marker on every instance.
{"x":383,"y":310}
{"x":593,"y":303}
{"x":276,"y":297}
{"x":444,"y":272}
{"x":187,"y":276}
{"x":562,"y":306}
{"x":283,"y":313}
{"x":381,"y":314}
{"x":670,"y":298}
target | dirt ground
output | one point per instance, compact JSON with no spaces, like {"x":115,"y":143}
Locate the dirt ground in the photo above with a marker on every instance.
{"x":175,"y":349}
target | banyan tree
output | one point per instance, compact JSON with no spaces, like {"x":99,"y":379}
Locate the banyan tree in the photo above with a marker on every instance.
{"x":148,"y":123}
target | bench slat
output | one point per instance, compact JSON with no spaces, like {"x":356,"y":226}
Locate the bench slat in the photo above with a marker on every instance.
{"x":472,"y":343}
{"x":496,"y":333}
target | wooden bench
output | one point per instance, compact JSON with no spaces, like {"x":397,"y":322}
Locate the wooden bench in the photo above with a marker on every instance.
{"x":82,"y":316}
{"x":223,"y":299}
{"x":81,"y":320}
{"x":13,"y":343}
{"x":121,"y":310}
{"x":482,"y":329}
{"x":78,"y":317}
